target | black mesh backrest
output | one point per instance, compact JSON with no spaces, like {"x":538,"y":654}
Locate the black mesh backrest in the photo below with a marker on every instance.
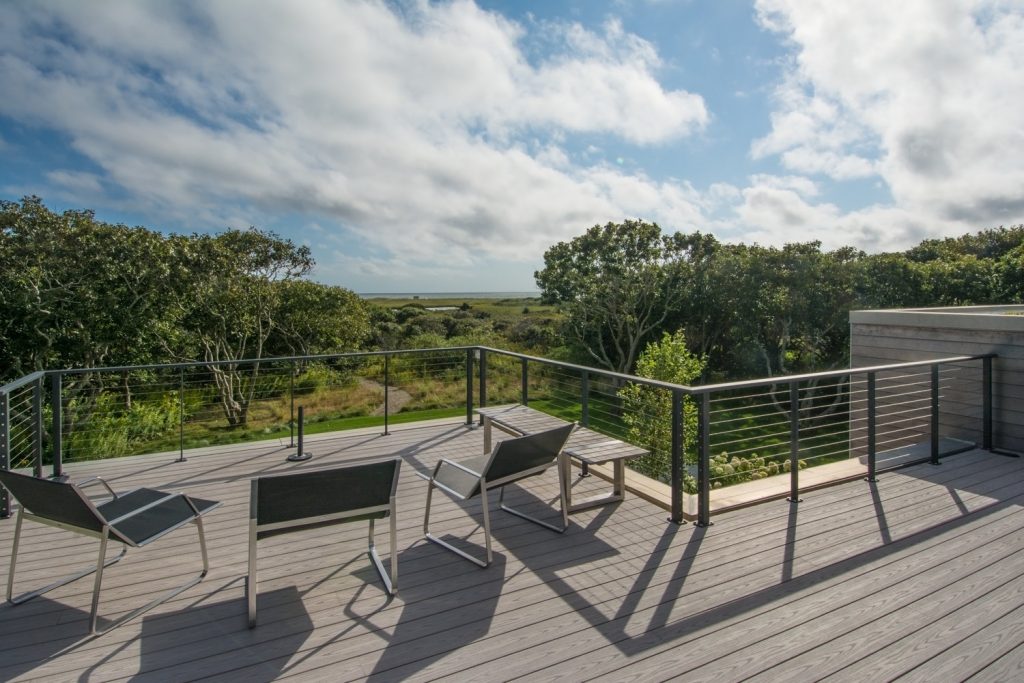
{"x":512,"y":456}
{"x":55,"y":500}
{"x":288,"y":497}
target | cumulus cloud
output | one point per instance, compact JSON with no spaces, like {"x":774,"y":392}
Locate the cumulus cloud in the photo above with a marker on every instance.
{"x":405,"y":125}
{"x":925,"y":94}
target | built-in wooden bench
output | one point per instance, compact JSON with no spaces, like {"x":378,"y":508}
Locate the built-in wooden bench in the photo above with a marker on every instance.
{"x":585,"y":445}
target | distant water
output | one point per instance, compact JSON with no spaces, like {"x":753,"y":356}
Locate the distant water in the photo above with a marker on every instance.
{"x":449,"y":295}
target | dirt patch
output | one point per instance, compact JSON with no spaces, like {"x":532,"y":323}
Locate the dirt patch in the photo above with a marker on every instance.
{"x":397,"y":398}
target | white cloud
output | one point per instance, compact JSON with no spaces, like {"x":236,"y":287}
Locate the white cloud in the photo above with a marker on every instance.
{"x":77,"y":181}
{"x":926,"y":94}
{"x":402,"y":124}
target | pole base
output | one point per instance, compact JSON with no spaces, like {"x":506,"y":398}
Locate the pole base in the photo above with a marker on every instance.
{"x":299,"y":457}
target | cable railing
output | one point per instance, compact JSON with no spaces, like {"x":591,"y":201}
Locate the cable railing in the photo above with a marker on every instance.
{"x":701,"y":438}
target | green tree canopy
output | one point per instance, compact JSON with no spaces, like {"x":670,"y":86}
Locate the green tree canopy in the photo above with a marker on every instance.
{"x":647,"y":411}
{"x":615,"y":285}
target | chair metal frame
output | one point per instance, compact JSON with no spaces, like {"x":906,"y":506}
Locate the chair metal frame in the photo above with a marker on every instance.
{"x":390,"y":581}
{"x":485,"y":486}
{"x":107,"y":533}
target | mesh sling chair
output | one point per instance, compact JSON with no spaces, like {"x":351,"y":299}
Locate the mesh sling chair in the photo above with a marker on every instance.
{"x":284,"y":503}
{"x":135,"y":518}
{"x":510,"y":461}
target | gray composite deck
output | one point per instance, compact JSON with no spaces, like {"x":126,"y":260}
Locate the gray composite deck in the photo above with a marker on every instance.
{"x":920,"y":576}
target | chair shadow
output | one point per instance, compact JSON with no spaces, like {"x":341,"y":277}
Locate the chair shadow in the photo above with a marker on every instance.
{"x":441,"y":617}
{"x":461,"y":608}
{"x":24,"y":649}
{"x":206,"y":628}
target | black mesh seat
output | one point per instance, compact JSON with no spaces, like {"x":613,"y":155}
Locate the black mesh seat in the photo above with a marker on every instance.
{"x":511,"y":460}
{"x":135,"y":518}
{"x":284,"y":503}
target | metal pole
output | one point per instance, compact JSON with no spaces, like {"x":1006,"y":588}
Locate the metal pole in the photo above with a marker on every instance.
{"x":387,"y":381}
{"x":677,"y":457}
{"x":300,"y":454}
{"x":585,"y":399}
{"x":37,"y":427}
{"x":5,"y":451}
{"x":986,"y":403}
{"x":794,"y":443}
{"x":704,"y":461}
{"x":872,"y":427}
{"x":525,"y":379}
{"x":935,"y":414}
{"x":483,"y":377}
{"x":291,"y":400}
{"x":469,"y":387}
{"x":57,"y":425}
{"x":181,"y":416}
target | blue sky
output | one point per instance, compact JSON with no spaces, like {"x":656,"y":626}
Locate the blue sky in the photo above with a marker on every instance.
{"x":443,"y":146}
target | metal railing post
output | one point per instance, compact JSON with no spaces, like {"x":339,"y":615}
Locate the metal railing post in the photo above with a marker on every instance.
{"x":482,"y":369}
{"x":291,"y":401}
{"x":677,"y":457}
{"x":37,"y":428}
{"x":469,"y":387}
{"x":704,"y":461}
{"x":525,"y":392}
{"x":5,"y":451}
{"x":181,"y":416}
{"x":387,"y":381}
{"x":794,"y":443}
{"x":300,"y":453}
{"x":935,"y":414}
{"x":57,"y":424}
{"x":872,"y":427}
{"x":986,"y":402}
{"x":585,"y":399}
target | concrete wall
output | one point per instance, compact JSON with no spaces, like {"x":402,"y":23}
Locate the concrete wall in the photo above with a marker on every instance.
{"x":893,"y":336}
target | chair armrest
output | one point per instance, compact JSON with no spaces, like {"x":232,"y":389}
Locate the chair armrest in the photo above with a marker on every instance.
{"x":465,"y":469}
{"x":92,"y":480}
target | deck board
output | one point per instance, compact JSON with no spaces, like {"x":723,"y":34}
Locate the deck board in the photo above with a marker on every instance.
{"x":921,"y":575}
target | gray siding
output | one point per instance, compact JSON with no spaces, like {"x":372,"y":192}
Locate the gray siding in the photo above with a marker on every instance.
{"x":880,"y":337}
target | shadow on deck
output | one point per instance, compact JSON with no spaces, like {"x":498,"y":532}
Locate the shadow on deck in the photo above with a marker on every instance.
{"x":920,"y":574}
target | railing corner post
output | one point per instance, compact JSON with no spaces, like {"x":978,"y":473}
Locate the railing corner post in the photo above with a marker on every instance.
{"x":704,"y":461}
{"x":677,"y":457}
{"x":57,"y":424}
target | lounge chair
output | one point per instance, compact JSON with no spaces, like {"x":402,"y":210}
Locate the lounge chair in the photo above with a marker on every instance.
{"x":291,"y":502}
{"x":135,"y":518}
{"x":510,"y":461}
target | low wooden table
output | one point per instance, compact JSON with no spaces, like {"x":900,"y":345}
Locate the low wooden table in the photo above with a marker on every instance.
{"x":585,"y":445}
{"x":610,"y":450}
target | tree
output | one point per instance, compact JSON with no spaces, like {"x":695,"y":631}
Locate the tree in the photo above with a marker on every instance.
{"x":76,"y":292}
{"x":232,"y":305}
{"x":792,"y":306}
{"x":615,"y":288}
{"x":647,"y":411}
{"x":313,"y":319}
